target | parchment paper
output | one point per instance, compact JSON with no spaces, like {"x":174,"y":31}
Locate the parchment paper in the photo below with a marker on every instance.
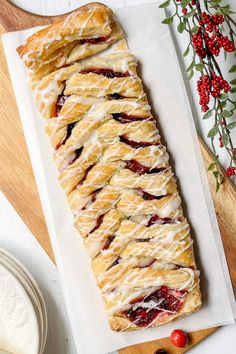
{"x":151,"y":42}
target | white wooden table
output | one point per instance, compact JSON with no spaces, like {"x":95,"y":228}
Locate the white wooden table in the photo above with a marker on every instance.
{"x":17,"y":239}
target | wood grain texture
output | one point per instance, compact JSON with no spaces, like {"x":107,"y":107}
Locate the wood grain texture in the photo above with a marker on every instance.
{"x":18,"y":184}
{"x":12,"y":18}
{"x":225,"y":207}
{"x":151,"y":347}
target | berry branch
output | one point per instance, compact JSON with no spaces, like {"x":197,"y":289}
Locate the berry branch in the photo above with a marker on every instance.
{"x":211,"y":30}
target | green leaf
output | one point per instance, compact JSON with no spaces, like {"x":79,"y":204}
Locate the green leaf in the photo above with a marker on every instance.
{"x":233,"y":82}
{"x":190,"y":75}
{"x":191,"y":66}
{"x":225,"y":139}
{"x":199,"y":67}
{"x":221,"y":178}
{"x":231,"y":125}
{"x":164,"y":4}
{"x":217,"y":186}
{"x":190,"y":14}
{"x":216,"y":2}
{"x":185,"y":3}
{"x":227,"y":12}
{"x":233,"y":90}
{"x":232,"y":69}
{"x":211,"y":166}
{"x":207,"y":115}
{"x":212,"y":132}
{"x":181,"y":27}
{"x":227,"y":113}
{"x":222,"y":28}
{"x":225,"y":7}
{"x":224,"y":96}
{"x":168,"y":21}
{"x":224,"y":104}
{"x":195,"y":29}
{"x":186,"y":51}
{"x":216,"y":174}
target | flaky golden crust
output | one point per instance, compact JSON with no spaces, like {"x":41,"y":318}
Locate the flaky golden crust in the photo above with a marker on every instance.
{"x":64,"y":41}
{"x":114,"y":170}
{"x":192,"y":304}
{"x":92,"y":19}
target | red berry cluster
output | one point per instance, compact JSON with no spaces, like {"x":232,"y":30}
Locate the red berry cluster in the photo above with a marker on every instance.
{"x":218,"y":84}
{"x":230,"y":171}
{"x":207,"y":86}
{"x":211,"y":21}
{"x":212,"y":44}
{"x":204,"y":43}
{"x":197,"y":40}
{"x":224,"y":42}
{"x":204,"y":90}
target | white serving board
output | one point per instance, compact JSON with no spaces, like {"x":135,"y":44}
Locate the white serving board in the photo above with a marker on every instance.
{"x":151,"y":42}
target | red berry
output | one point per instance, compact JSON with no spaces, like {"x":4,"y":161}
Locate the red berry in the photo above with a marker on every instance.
{"x":179,"y":338}
{"x":193,"y":2}
{"x":184,"y":11}
{"x":230,"y":171}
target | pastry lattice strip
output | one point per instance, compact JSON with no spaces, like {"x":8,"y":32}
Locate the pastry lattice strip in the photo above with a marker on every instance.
{"x":114,"y":169}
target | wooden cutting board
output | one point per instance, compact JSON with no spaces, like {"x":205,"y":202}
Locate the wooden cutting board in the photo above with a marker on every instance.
{"x":18,"y":184}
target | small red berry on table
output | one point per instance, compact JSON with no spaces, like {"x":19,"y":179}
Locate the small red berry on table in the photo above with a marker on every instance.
{"x":184,"y":11}
{"x":179,"y":338}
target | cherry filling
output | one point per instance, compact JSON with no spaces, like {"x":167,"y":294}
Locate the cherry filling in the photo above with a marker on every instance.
{"x":85,"y":175}
{"x":93,"y":199}
{"x":77,"y":154}
{"x":108,"y":242}
{"x":68,"y":134}
{"x":136,"y":144}
{"x":115,"y":96}
{"x":60,"y":102}
{"x":147,"y":264}
{"x":126,"y":118}
{"x":117,"y":261}
{"x":137,"y":167}
{"x":155,"y":219}
{"x":109,"y":73}
{"x":148,"y":196}
{"x":98,"y":223}
{"x":144,"y":310}
{"x":95,"y":40}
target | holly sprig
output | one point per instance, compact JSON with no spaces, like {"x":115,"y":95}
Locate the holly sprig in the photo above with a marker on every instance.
{"x":211,"y":29}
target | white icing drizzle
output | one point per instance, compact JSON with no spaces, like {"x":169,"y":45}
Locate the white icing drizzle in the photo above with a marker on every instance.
{"x":130,"y":258}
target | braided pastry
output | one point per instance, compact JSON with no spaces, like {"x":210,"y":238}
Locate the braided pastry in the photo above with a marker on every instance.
{"x":114,"y":169}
